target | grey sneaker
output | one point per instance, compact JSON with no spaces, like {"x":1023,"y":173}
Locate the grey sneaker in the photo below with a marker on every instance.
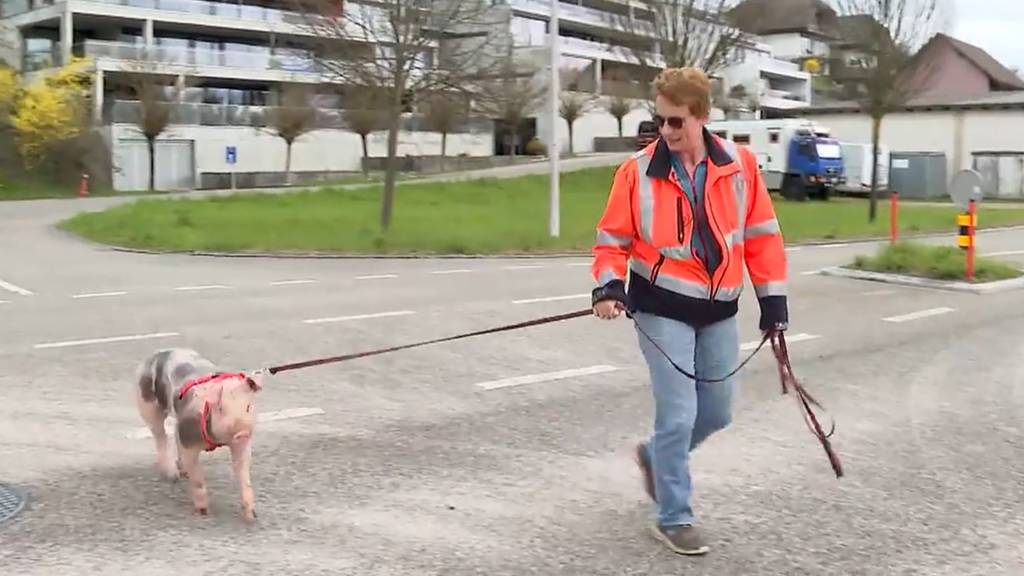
{"x":681,"y":539}
{"x":645,"y":470}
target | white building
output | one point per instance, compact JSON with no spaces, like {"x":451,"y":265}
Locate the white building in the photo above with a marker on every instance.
{"x":229,"y":61}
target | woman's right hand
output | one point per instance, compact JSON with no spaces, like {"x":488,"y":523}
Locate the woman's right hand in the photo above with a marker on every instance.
{"x":608,"y":309}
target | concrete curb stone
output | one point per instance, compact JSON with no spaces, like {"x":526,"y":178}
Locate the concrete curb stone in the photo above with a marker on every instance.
{"x":906,"y":280}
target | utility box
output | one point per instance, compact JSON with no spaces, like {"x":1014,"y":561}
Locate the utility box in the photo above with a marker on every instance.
{"x":1002,"y":173}
{"x":918,"y":174}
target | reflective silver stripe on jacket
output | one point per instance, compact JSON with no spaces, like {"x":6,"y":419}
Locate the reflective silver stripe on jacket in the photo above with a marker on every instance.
{"x":770,"y":289}
{"x":684,"y":287}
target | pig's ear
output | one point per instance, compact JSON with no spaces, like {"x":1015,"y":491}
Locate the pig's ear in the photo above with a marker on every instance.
{"x":255,"y":380}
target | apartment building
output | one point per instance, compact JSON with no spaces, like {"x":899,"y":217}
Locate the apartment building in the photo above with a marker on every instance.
{"x":606,"y":41}
{"x":225,"y":64}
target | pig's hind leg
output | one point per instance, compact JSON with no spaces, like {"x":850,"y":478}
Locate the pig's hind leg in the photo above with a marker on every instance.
{"x":154,"y":414}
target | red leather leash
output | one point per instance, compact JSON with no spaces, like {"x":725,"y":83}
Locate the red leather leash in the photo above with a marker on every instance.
{"x":208,"y":444}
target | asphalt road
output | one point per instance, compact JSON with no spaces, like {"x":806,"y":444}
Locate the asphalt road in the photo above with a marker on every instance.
{"x":443,"y":460}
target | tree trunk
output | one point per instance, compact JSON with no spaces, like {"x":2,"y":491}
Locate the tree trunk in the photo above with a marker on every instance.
{"x":515,"y":141}
{"x":151,"y":144}
{"x":288,"y":165}
{"x":444,"y":148}
{"x":366,"y":157}
{"x":876,"y":128}
{"x":570,"y":138}
{"x":394,"y":125}
{"x":619,"y":120}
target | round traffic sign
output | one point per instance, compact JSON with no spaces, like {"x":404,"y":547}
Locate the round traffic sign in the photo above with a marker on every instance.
{"x":966,"y":186}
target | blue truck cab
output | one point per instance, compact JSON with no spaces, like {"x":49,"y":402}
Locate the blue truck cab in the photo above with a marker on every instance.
{"x":814,"y":166}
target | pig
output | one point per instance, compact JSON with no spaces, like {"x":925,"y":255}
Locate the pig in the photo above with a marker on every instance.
{"x":212,"y":409}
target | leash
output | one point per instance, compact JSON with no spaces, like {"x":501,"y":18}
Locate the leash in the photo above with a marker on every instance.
{"x":344,"y":357}
{"x":786,"y":376}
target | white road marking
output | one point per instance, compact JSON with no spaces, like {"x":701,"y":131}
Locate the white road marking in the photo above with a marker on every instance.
{"x":98,"y":294}
{"x":837,"y":245}
{"x":523,"y":267}
{"x":920,"y":314}
{"x":552,"y":298}
{"x":206,"y":287}
{"x":790,"y":339}
{"x":358,"y":317}
{"x":456,"y":271}
{"x":291,"y":282}
{"x":793,"y":249}
{"x":5,"y":302}
{"x":16,"y":289}
{"x":1004,"y":253}
{"x":878,"y":293}
{"x":811,"y":272}
{"x":287,"y":414}
{"x":106,"y":340}
{"x":578,"y":264}
{"x":545,"y":377}
{"x":376,"y":276}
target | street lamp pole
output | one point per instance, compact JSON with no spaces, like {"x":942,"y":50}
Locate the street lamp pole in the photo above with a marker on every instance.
{"x":553,"y":146}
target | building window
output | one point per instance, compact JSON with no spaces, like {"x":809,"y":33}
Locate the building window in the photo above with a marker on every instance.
{"x":773,"y":137}
{"x":528,"y":31}
{"x":741,"y":138}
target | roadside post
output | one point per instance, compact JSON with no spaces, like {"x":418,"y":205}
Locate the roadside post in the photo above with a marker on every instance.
{"x":965,"y":190}
{"x":894,"y":206}
{"x":231,"y":158}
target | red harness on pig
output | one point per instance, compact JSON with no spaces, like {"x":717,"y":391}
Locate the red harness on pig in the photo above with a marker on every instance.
{"x":208,"y":442}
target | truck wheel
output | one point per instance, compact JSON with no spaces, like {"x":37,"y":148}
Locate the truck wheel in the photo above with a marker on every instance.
{"x":793,"y":189}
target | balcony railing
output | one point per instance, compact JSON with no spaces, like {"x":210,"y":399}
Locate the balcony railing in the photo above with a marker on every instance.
{"x":221,"y":9}
{"x":283,"y":60}
{"x":201,"y":114}
{"x":587,"y":15}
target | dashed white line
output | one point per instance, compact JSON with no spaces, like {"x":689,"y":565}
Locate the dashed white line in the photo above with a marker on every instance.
{"x":291,"y":282}
{"x":206,"y":287}
{"x":106,"y":340}
{"x":376,"y":276}
{"x":578,"y":264}
{"x":878,"y":293}
{"x":793,"y":249}
{"x":5,"y":302}
{"x":457,"y":271}
{"x":545,"y":377}
{"x":523,"y":267}
{"x":552,"y":298}
{"x":790,"y":339}
{"x":98,"y":294}
{"x":358,"y":317}
{"x":920,"y":314}
{"x":287,"y":414}
{"x":16,"y":289}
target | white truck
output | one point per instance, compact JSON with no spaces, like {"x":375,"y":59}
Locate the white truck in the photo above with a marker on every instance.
{"x":795,"y":156}
{"x":857,"y":161}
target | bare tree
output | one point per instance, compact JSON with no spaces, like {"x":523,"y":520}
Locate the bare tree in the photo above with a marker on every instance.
{"x":364,"y":115}
{"x":685,"y":33}
{"x":574,"y":101}
{"x":511,"y":95}
{"x":443,"y":112}
{"x":156,"y":98}
{"x":402,"y":48}
{"x":620,"y":92}
{"x":294,"y":116}
{"x":889,"y":33}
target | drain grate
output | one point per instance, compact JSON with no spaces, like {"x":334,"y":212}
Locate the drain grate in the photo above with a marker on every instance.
{"x":11,"y":502}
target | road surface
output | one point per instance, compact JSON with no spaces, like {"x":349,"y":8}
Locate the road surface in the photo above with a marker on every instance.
{"x":504,"y":454}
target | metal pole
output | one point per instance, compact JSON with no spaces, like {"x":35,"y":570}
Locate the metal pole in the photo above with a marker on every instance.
{"x":553,"y":146}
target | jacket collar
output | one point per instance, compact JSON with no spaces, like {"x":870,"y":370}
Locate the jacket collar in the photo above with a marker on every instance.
{"x":661,"y":163}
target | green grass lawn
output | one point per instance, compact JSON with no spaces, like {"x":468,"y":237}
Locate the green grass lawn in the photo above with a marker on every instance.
{"x":936,"y":262}
{"x":482,"y":216}
{"x":38,"y":190}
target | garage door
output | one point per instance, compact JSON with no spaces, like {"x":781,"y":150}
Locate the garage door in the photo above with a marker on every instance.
{"x":174,"y":165}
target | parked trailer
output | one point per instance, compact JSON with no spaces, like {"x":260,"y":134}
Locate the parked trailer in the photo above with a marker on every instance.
{"x":795,"y":156}
{"x":857,"y":166}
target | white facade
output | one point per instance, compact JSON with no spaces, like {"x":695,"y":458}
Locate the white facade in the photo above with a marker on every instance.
{"x":961,"y":135}
{"x":778,"y":84}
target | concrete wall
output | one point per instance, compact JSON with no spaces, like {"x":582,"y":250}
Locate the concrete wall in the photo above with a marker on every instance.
{"x":958,"y":134}
{"x":597,"y":123}
{"x":320,"y":151}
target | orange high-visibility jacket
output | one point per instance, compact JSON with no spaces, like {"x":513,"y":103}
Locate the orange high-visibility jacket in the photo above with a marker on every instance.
{"x":647,"y":227}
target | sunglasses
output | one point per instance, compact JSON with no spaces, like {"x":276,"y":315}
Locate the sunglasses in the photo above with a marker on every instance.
{"x":673,"y":121}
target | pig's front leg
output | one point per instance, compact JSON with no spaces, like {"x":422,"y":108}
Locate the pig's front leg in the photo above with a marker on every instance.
{"x":241,"y":458}
{"x":196,"y":478}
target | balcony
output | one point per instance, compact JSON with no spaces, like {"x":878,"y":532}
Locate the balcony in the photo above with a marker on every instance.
{"x":602,"y":51}
{"x":218,"y":9}
{"x":587,"y":16}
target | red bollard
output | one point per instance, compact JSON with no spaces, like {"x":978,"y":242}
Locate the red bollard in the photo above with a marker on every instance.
{"x":894,"y":202}
{"x":83,"y":186}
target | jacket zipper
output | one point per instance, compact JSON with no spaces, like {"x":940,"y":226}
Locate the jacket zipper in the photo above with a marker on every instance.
{"x":679,"y":220}
{"x":725,"y":255}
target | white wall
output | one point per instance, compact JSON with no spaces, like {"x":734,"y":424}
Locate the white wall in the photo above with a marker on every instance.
{"x":957,"y":134}
{"x":787,"y":46}
{"x":322,"y":150}
{"x":597,"y":123}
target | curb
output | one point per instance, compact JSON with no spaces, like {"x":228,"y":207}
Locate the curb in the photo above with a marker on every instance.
{"x":919,"y":282}
{"x":315,"y":255}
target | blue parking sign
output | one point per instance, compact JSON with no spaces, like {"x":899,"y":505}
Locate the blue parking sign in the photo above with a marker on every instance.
{"x":231,"y":154}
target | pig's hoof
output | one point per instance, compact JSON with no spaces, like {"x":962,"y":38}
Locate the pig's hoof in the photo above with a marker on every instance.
{"x":202,"y":511}
{"x":250,"y":515}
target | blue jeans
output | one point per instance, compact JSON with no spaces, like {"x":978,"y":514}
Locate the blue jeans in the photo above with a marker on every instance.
{"x":686,"y":413}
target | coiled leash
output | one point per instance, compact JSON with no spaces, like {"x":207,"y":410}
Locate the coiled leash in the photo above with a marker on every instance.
{"x":777,"y":338}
